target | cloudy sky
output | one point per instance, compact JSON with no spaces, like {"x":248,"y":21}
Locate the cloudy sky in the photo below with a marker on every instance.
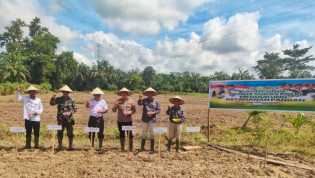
{"x":171,"y":35}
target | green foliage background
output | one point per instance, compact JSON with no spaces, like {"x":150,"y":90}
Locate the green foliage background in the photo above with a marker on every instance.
{"x":33,"y":58}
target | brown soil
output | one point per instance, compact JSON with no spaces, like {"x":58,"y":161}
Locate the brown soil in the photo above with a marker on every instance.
{"x":84,"y":162}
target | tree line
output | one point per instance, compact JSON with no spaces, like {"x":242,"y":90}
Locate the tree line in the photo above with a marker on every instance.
{"x":28,"y":54}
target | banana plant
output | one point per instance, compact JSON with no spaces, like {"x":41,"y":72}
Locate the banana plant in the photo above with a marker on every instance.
{"x":298,"y":122}
{"x":256,"y":116}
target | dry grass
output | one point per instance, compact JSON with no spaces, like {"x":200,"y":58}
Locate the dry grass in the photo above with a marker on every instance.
{"x":85,"y":162}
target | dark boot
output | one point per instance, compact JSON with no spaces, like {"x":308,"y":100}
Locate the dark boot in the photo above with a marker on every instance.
{"x":92,"y":139}
{"x":28,"y":142}
{"x":100,"y":143}
{"x":177,"y":145}
{"x":36,"y":139}
{"x":122,"y":143}
{"x":142,"y":144}
{"x":130,"y":144}
{"x":59,"y":143}
{"x":70,"y":143}
{"x":152,"y":146}
{"x":169,"y":144}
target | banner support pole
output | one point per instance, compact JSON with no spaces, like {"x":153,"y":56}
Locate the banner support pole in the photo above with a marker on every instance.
{"x":208,"y":131}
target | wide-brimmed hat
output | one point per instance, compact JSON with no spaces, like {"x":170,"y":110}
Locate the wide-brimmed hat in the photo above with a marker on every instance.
{"x":97,"y":91}
{"x":178,"y":99}
{"x":149,"y":90}
{"x":65,"y":88}
{"x":32,"y":88}
{"x":123,"y":90}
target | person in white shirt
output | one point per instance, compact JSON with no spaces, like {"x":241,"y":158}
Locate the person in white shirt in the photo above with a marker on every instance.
{"x":98,"y":107}
{"x":32,"y":108}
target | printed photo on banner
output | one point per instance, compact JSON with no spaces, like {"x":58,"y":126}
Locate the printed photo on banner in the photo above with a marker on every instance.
{"x":276,"y":95}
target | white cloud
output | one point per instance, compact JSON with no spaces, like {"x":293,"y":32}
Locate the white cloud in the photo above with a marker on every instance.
{"x":225,"y":44}
{"x":27,"y":10}
{"x":80,"y":58}
{"x":239,"y":33}
{"x":143,"y":16}
{"x":124,"y":54}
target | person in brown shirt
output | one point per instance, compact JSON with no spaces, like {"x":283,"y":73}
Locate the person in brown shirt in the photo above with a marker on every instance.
{"x":125,"y":108}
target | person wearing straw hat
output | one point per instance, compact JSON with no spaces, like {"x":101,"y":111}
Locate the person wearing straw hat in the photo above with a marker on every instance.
{"x":151,"y":108}
{"x":176,"y":117}
{"x":32,"y":108}
{"x":125,"y":108}
{"x":65,"y":109}
{"x":98,"y":107}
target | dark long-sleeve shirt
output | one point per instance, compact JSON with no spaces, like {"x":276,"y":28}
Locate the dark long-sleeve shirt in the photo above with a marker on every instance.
{"x":64,"y":105}
{"x":176,"y":114}
{"x":149,"y":105}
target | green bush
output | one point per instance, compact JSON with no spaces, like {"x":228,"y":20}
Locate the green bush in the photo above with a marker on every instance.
{"x":8,"y":88}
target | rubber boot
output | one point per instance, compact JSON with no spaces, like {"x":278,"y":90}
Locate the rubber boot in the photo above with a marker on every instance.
{"x":177,"y":145}
{"x":28,"y":142}
{"x":130,"y":144}
{"x":122,"y":144}
{"x":169,"y":144}
{"x":36,"y":139}
{"x":92,"y":139}
{"x":152,"y":146}
{"x":142,"y":144}
{"x":70,"y":143}
{"x":59,"y":143}
{"x":100,"y":143}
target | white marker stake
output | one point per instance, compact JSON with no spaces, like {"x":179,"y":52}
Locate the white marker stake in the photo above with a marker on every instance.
{"x":159,"y":131}
{"x":128,"y":129}
{"x":192,"y":130}
{"x":17,"y":131}
{"x":54,"y":129}
{"x":92,"y":130}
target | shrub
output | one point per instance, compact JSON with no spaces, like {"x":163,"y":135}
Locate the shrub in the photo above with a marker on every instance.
{"x":8,"y":88}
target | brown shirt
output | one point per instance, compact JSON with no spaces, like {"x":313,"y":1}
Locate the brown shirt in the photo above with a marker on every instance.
{"x":125,"y":109}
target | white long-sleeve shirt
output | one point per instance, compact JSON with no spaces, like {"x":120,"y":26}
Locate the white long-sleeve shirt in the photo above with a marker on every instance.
{"x":96,"y":107}
{"x":32,"y":108}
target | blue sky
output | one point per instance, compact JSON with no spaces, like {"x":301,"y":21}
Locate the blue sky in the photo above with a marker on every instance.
{"x":277,"y":16}
{"x":172,"y":35}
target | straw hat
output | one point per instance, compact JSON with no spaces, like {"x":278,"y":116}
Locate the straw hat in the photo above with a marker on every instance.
{"x":150,"y":90}
{"x":97,"y":91}
{"x":123,"y":90}
{"x":65,"y":88}
{"x":177,"y":98}
{"x":32,"y":88}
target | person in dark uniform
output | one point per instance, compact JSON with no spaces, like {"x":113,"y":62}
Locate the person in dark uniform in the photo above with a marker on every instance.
{"x":65,"y":109}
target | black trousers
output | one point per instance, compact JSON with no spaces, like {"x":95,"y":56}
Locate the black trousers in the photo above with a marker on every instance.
{"x":97,"y":122}
{"x":65,"y":125}
{"x":122,"y":133}
{"x":29,"y":127}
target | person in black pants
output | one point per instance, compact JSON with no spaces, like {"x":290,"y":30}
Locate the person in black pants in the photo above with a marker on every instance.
{"x":125,"y":108}
{"x":65,"y":109}
{"x":29,"y":127}
{"x":98,"y":107}
{"x":32,"y":108}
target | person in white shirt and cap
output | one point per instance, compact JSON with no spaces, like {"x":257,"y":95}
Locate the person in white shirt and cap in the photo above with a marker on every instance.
{"x":32,"y":108}
{"x":98,"y":107}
